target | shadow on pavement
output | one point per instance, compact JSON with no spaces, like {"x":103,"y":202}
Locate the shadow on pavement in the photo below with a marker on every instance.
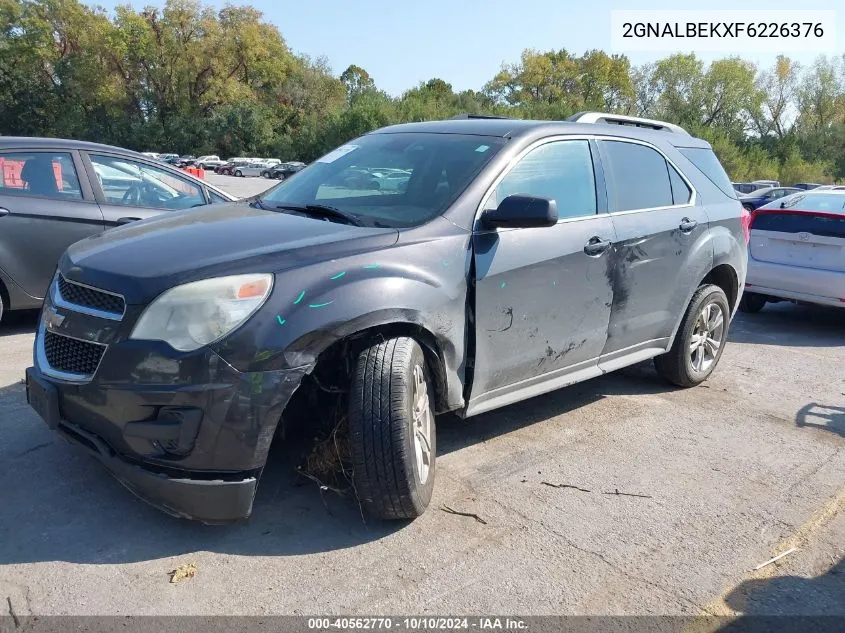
{"x":58,"y":503}
{"x":822,"y":417}
{"x":790,"y":603}
{"x":791,"y":325}
{"x":454,"y":433}
{"x":19,"y":322}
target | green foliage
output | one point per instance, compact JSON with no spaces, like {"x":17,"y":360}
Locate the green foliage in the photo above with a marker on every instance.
{"x":190,"y":78}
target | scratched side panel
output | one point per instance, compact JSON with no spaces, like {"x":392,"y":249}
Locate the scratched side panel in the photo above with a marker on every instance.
{"x":420,"y":280}
{"x":655,"y":266}
{"x":542,"y":304}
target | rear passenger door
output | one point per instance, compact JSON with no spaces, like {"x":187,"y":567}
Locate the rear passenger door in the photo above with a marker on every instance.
{"x":661,"y":252}
{"x":44,"y":208}
{"x":130,"y":190}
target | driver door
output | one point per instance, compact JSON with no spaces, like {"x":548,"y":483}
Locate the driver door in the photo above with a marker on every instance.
{"x":129,"y":190}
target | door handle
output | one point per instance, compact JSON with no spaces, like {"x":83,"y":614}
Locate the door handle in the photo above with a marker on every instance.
{"x":3,"y":212}
{"x":596,"y":246}
{"x":127,"y":220}
{"x":687,"y":225}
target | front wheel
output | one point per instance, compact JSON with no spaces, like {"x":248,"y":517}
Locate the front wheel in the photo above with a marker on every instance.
{"x":752,"y":302}
{"x":700,"y":340}
{"x":239,"y":174}
{"x":392,"y":433}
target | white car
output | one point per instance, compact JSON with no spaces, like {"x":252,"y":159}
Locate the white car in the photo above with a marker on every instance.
{"x":796,"y":251}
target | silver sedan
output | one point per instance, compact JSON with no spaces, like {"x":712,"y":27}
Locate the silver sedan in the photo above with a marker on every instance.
{"x":797,"y":251}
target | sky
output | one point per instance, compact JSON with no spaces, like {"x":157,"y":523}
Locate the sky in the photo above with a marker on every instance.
{"x":464,"y":42}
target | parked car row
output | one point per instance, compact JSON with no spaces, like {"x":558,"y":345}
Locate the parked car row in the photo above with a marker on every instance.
{"x":272,"y":168}
{"x":746,"y":188}
{"x":212,"y":162}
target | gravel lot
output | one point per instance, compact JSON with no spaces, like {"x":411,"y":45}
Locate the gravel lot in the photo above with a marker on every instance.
{"x":731,"y":474}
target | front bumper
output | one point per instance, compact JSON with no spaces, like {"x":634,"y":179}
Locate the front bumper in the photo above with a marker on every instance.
{"x":185,"y":432}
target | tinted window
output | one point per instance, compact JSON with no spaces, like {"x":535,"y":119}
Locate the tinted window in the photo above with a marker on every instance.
{"x":392,"y":180}
{"x":639,"y":175}
{"x":827,"y":203}
{"x":561,"y":171}
{"x":681,"y":193}
{"x":705,"y":160}
{"x":799,"y":222}
{"x":136,"y":184}
{"x":42,"y":174}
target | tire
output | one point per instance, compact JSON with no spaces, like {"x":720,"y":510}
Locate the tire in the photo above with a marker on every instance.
{"x":265,"y":174}
{"x":683,"y":366}
{"x":748,"y":207}
{"x":393,"y":474}
{"x":239,"y":173}
{"x":751,"y":302}
{"x":2,"y":308}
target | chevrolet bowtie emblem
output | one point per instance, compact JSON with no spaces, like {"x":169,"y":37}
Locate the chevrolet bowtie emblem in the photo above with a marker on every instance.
{"x":52,"y":319}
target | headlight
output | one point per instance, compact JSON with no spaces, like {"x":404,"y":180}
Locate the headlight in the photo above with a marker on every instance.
{"x":196,"y":314}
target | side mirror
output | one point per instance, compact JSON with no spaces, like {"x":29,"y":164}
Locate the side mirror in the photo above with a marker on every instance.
{"x":521,"y":212}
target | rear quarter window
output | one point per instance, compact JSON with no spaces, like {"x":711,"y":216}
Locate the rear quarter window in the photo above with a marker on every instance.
{"x":706,"y":162}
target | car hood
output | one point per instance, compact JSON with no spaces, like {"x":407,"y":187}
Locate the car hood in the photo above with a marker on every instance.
{"x":143,"y":259}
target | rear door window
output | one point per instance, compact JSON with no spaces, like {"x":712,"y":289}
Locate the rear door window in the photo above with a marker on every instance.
{"x":39,"y":174}
{"x":639,"y":175}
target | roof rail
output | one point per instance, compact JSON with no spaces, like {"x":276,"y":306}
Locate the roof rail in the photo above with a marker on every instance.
{"x":621,"y":119}
{"x":468,"y":115}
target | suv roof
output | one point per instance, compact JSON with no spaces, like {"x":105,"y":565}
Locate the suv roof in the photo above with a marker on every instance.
{"x":513,"y":128}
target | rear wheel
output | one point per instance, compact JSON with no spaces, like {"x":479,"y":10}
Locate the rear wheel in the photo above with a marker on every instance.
{"x":391,"y":430}
{"x":700,"y":340}
{"x":239,"y":173}
{"x":752,"y":302}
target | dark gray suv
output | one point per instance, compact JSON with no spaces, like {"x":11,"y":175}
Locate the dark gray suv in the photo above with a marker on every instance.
{"x":517,"y":257}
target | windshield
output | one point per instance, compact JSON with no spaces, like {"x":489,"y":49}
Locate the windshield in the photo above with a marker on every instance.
{"x":390,"y":180}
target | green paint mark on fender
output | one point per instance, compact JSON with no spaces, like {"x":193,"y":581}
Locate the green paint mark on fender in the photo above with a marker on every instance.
{"x":299,"y":298}
{"x":373,"y":266}
{"x":280,"y":320}
{"x":339,"y":275}
{"x":504,"y":283}
{"x":319,"y":305}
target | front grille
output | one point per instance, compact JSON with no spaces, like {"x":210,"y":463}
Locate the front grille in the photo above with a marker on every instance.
{"x":70,"y":355}
{"x":90,"y":298}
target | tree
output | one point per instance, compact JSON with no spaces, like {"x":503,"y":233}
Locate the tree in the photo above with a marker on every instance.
{"x":356,"y":80}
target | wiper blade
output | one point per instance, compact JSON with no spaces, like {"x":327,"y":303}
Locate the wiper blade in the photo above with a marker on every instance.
{"x":322,"y":210}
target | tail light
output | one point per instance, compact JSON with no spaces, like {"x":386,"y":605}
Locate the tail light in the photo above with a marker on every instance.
{"x":745,"y":219}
